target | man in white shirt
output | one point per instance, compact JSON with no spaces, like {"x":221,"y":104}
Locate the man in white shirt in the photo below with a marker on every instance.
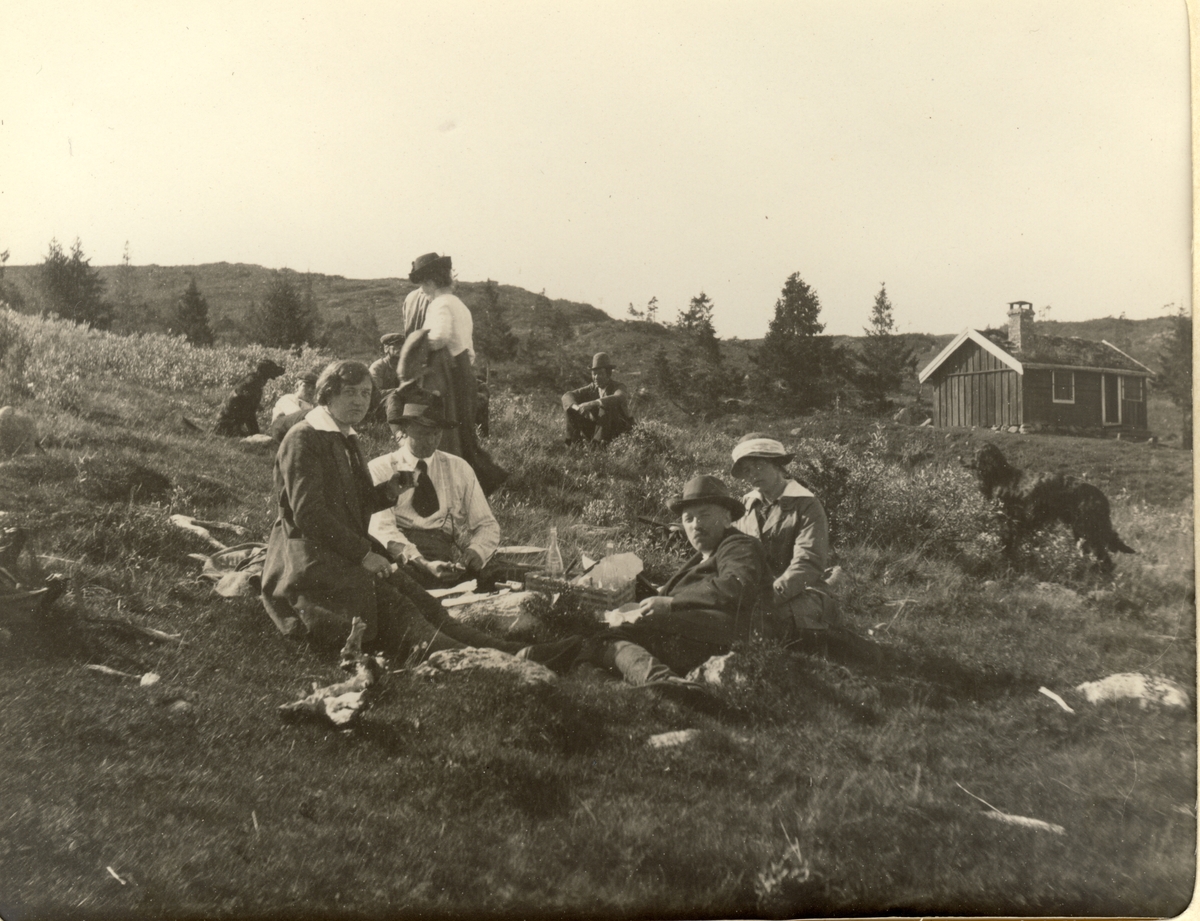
{"x":303,"y":397}
{"x":443,"y":527}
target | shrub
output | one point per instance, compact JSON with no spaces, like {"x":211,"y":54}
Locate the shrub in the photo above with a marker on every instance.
{"x":14,"y":353}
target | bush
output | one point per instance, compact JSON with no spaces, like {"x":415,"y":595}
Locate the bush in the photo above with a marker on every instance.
{"x":14,"y":354}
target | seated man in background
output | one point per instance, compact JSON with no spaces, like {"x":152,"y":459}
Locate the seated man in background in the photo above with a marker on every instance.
{"x":443,"y":528}
{"x":599,"y":412}
{"x":385,"y":372}
{"x":304,"y":397}
{"x":709,"y":604}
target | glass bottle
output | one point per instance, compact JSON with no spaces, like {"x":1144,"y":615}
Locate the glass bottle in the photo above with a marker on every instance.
{"x":610,"y":548}
{"x":554,"y":559}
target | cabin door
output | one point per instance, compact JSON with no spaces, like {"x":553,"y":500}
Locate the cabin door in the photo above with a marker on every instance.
{"x":1110,"y":398}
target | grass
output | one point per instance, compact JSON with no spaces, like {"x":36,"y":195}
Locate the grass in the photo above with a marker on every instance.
{"x":818,"y":786}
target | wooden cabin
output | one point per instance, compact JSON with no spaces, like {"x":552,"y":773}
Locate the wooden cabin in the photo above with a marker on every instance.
{"x":1031,"y":382}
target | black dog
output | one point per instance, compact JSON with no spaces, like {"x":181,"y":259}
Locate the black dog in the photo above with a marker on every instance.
{"x":239,"y":413}
{"x":1033,"y":502}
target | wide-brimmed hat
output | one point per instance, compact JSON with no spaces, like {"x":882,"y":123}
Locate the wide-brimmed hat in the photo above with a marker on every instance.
{"x":707,"y":490}
{"x":392,"y":339}
{"x":601,"y":360}
{"x":759,"y":446}
{"x":427,"y":265}
{"x":414,"y":357}
{"x":308,"y":377}
{"x":423,"y":407}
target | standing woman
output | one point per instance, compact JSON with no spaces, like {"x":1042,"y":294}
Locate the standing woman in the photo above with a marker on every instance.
{"x":451,"y":369}
{"x":321,"y":568}
{"x":791,"y":523}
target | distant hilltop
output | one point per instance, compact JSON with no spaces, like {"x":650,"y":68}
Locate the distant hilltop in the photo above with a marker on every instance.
{"x":355,"y":312}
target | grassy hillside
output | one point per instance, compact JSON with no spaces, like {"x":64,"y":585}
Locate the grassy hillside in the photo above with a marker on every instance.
{"x":820,"y":786}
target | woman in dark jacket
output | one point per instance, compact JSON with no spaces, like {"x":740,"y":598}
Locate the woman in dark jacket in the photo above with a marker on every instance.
{"x":322,"y":569}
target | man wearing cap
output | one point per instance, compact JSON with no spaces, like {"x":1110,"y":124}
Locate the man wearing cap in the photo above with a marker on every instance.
{"x":599,"y":412}
{"x":443,"y":527}
{"x":791,"y":524}
{"x":383,"y":370}
{"x":709,"y":604}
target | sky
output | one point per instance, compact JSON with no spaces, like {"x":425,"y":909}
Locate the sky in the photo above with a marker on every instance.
{"x":966,"y":153}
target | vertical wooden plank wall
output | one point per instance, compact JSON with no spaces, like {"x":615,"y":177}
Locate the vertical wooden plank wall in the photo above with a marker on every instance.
{"x":976,"y":388}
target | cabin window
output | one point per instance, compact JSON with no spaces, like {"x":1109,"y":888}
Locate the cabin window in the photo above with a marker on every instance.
{"x":1135,"y":389}
{"x":1063,"y":383}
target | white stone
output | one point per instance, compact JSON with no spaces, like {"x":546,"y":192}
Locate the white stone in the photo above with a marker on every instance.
{"x":471,"y":658}
{"x":148,"y":679}
{"x":506,"y":611}
{"x":1146,"y":689}
{"x":671,"y":739}
{"x":718,"y":670}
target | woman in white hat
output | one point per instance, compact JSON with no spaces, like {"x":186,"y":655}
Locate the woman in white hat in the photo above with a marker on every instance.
{"x":791,"y":524}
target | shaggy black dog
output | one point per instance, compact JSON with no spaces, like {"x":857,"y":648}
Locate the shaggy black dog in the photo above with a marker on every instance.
{"x":239,"y":413}
{"x":1033,"y":502}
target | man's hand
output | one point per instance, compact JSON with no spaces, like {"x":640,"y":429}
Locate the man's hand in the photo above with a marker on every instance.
{"x":440,"y":569}
{"x":398,"y":482}
{"x":376,"y":565}
{"x":656,"y":604}
{"x":472,"y":561}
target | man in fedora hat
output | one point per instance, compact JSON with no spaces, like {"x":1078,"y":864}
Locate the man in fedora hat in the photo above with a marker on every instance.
{"x":710,"y":603}
{"x":791,"y":524}
{"x":443,"y":528}
{"x":599,"y":412}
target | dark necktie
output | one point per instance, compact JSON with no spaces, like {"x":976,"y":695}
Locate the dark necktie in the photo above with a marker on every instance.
{"x":425,"y":497}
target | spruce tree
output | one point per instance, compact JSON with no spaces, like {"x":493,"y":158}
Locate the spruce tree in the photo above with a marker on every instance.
{"x":493,"y":335}
{"x":796,"y":367}
{"x":885,"y":360}
{"x":191,"y":316}
{"x":71,"y":288}
{"x":1175,"y":379}
{"x":284,"y":319}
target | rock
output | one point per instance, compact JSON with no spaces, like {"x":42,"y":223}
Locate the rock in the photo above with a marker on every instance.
{"x":927,"y":423}
{"x":149,"y":679}
{"x":471,"y":658}
{"x":1146,"y":689}
{"x":671,"y":739}
{"x":503,"y":612}
{"x":1014,"y":429}
{"x":910,"y":415}
{"x":718,"y":670}
{"x":258,"y":440}
{"x":18,"y":433}
{"x":180,"y":706}
{"x":796,"y":433}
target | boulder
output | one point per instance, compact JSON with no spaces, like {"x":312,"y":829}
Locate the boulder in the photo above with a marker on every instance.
{"x":1146,"y":689}
{"x":473,"y":659}
{"x":910,"y":415}
{"x":18,"y":433}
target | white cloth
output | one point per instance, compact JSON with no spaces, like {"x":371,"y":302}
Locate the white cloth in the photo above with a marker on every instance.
{"x":322,"y":420}
{"x":287,"y":404}
{"x":450,"y":326}
{"x":463,"y":511}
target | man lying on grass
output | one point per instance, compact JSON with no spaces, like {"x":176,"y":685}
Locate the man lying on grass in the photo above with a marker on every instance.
{"x":704,"y":608}
{"x":443,"y":529}
{"x":322,"y":567}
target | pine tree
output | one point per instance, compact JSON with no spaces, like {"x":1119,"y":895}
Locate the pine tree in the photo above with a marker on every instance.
{"x":1175,"y":379}
{"x":796,"y":366}
{"x":191,"y":316}
{"x":493,"y":335}
{"x":285,"y":319}
{"x":71,"y":288}
{"x":885,"y":360}
{"x":697,"y":322}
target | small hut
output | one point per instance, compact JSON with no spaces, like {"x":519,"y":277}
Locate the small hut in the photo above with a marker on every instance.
{"x":1041,"y":383}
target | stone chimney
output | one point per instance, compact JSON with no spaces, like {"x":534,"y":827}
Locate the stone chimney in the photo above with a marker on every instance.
{"x":1020,"y":323}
